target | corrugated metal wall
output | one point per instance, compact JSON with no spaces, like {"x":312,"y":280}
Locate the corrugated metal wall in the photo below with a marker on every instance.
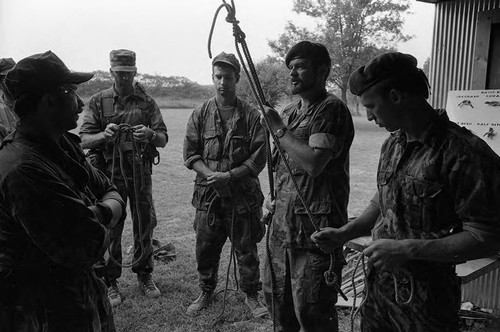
{"x":451,"y":69}
{"x":484,"y":291}
{"x":453,"y":46}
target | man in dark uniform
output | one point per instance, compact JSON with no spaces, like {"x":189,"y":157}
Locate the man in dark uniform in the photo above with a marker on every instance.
{"x":315,"y":133}
{"x":123,"y":126}
{"x":54,"y":207}
{"x":8,"y":118}
{"x":224,"y":144}
{"x":437,"y":204}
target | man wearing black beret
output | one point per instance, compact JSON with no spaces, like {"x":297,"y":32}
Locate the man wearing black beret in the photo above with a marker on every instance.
{"x":316,"y":133}
{"x":54,"y":208}
{"x":437,"y":203}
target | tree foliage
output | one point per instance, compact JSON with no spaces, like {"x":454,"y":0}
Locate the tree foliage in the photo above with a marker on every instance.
{"x":354,"y":31}
{"x":173,"y":87}
{"x":273,"y":76}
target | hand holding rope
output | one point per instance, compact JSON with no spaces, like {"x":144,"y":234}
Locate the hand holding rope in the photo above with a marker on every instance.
{"x":126,"y":130}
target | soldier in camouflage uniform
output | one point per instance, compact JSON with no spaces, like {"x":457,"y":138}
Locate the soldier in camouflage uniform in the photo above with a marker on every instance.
{"x":224,"y":144}
{"x":127,"y":103}
{"x":315,"y":133}
{"x":54,"y":208}
{"x":8,"y":118}
{"x":438,"y":203}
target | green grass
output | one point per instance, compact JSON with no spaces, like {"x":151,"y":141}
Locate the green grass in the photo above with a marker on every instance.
{"x":172,"y":186}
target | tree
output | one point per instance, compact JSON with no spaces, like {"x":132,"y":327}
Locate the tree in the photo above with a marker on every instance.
{"x":272,"y":75}
{"x":354,"y":31}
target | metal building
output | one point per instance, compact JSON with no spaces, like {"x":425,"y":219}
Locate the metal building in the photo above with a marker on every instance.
{"x":466,"y":56}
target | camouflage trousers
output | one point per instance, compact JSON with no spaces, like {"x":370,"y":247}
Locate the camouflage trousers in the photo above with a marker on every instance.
{"x":142,"y":230}
{"x":434,"y":306}
{"x":244,"y":231}
{"x":302,"y":298}
{"x":57,"y":300}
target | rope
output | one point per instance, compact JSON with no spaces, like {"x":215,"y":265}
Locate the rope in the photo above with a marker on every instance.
{"x":128,"y":130}
{"x":232,"y":257}
{"x":397,"y":293}
{"x":239,"y":38}
{"x":354,"y":311}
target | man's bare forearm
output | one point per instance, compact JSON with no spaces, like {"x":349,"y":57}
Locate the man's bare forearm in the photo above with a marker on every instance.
{"x":92,"y":141}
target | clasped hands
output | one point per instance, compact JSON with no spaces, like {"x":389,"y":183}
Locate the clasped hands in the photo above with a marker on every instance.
{"x":141,"y":133}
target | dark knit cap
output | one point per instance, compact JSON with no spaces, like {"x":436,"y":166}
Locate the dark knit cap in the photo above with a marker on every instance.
{"x":387,"y":65}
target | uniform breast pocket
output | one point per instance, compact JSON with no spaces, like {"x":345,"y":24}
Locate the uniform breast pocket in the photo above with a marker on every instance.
{"x":239,"y":149}
{"x":421,"y":198}
{"x":212,"y":147}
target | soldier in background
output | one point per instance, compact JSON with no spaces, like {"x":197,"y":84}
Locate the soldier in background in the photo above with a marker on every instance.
{"x":8,"y":118}
{"x":127,"y":105}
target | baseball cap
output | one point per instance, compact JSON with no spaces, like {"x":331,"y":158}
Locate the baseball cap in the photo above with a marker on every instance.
{"x":387,"y":65}
{"x":122,"y":60}
{"x":41,"y":73}
{"x":6,"y":64}
{"x":227,"y":58}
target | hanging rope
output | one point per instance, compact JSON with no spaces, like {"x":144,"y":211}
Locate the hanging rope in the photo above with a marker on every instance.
{"x":251,"y":73}
{"x":127,"y":130}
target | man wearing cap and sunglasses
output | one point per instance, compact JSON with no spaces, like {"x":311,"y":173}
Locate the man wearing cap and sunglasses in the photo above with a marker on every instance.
{"x":316,"y":133}
{"x":8,"y":118}
{"x":437,"y":204}
{"x":54,"y":208}
{"x":127,"y":103}
{"x":224,"y":145}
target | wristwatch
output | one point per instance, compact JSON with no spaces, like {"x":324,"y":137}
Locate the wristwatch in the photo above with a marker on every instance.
{"x":281,"y":132}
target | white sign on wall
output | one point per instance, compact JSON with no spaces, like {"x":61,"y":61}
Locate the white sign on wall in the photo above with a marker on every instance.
{"x":478,"y":111}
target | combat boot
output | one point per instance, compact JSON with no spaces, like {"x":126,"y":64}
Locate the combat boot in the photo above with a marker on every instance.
{"x":147,"y":285}
{"x":200,"y":303}
{"x":253,"y":302}
{"x":114,"y":294}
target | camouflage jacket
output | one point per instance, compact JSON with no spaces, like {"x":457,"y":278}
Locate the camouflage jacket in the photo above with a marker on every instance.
{"x":326,"y":125}
{"x":243,"y":144}
{"x":447,"y":182}
{"x":104,"y":108}
{"x":8,"y":118}
{"x":45,"y":191}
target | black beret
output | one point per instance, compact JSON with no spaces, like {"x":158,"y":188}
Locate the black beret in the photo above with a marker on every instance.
{"x":309,"y":50}
{"x":387,"y":65}
{"x":41,"y":73}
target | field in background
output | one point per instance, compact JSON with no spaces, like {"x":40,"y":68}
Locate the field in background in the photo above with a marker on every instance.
{"x":173,"y":185}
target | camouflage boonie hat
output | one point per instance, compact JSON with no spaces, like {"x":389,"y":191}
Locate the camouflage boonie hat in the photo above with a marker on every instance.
{"x":6,"y":64}
{"x":122,"y":60}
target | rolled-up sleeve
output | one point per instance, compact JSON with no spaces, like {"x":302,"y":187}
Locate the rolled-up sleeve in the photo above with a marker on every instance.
{"x":332,"y":128}
{"x":475,"y":182}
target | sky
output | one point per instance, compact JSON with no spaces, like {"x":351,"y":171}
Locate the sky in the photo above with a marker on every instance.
{"x":169,"y":37}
